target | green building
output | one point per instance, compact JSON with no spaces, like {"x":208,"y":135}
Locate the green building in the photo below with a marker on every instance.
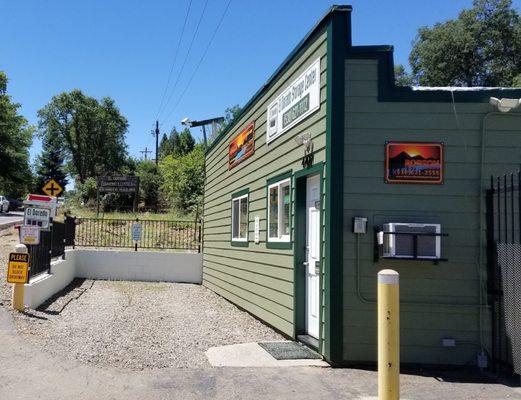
{"x":329,"y":146}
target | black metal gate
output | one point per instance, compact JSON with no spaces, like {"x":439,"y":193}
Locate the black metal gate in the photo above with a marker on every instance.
{"x":504,"y":269}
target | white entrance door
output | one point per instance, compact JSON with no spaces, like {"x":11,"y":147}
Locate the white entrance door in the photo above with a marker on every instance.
{"x":312,"y":263}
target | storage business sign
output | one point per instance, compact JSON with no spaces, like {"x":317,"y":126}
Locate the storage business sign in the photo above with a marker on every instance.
{"x":295,"y":103}
{"x":414,"y":162}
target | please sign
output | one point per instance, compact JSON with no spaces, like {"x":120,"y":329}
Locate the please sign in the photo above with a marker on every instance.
{"x":18,"y":268}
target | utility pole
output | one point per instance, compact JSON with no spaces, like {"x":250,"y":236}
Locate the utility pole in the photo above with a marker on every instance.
{"x":157,"y":140}
{"x":146,"y":151}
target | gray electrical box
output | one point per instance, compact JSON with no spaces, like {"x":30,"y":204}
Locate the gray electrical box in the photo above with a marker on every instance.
{"x":359,"y":225}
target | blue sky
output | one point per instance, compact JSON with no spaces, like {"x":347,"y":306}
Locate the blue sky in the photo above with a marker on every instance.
{"x":124,"y":49}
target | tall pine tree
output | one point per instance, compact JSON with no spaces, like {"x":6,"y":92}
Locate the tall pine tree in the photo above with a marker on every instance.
{"x":50,"y":163}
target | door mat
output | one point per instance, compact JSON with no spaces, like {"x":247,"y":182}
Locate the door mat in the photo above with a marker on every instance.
{"x":289,"y":351}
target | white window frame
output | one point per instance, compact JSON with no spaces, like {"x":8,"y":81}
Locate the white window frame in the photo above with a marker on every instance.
{"x":240,"y":199}
{"x":280,"y":208}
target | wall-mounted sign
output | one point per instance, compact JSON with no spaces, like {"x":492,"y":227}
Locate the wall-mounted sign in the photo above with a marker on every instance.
{"x":413,"y":162}
{"x":37,"y":216}
{"x":30,"y":234}
{"x":256,"y":235}
{"x":136,"y":231}
{"x":242,"y":146}
{"x":295,"y":103}
{"x":18,"y":268}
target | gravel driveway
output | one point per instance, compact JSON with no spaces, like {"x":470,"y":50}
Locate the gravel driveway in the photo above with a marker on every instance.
{"x":139,"y":325}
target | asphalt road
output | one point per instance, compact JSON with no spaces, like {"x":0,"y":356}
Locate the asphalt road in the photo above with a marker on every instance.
{"x":11,"y":218}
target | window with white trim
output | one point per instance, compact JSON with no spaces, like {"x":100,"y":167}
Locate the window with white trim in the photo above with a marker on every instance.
{"x":279,"y":211}
{"x":240,"y":218}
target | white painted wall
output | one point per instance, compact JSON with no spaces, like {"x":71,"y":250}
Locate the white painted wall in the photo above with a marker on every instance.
{"x":43,"y":286}
{"x":114,"y":265}
{"x":139,"y":266}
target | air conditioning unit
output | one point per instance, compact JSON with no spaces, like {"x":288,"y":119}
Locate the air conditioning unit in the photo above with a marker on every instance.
{"x":402,"y":246}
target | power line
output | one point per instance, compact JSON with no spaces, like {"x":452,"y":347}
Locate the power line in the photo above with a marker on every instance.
{"x":186,"y":57}
{"x":200,"y":60}
{"x":174,"y":59}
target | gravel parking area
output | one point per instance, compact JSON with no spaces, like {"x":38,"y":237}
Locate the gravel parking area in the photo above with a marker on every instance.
{"x":139,"y":325}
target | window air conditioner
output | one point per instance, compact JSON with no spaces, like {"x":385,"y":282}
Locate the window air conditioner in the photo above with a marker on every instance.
{"x":402,"y":246}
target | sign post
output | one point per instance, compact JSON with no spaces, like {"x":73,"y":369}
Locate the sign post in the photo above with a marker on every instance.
{"x":18,"y":273}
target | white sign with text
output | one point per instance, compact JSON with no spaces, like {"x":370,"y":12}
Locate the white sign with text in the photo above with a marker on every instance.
{"x":295,"y":103}
{"x":37,"y":216}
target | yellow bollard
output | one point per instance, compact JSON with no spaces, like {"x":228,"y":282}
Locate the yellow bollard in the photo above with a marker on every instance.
{"x":18,"y":288}
{"x":388,"y":335}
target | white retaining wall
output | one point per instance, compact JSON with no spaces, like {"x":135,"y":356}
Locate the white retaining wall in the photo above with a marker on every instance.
{"x":43,"y":286}
{"x":139,"y":266}
{"x":114,"y":265}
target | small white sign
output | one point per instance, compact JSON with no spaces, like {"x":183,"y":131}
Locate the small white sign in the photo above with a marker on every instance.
{"x":37,"y":217}
{"x":299,"y":100}
{"x":257,"y":230}
{"x":30,"y":234}
{"x":136,"y":231}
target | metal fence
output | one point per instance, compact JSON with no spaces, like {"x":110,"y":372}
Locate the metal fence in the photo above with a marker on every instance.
{"x":52,"y":244}
{"x":504,"y":269}
{"x":116,"y":233}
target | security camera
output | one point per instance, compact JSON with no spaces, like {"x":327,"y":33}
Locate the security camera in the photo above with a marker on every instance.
{"x":186,"y":121}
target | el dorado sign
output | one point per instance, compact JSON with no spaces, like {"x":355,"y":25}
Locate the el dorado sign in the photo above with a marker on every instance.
{"x":413,"y":162}
{"x":295,"y":103}
{"x":242,"y":146}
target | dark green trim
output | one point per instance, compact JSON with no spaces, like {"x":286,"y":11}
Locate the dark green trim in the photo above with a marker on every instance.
{"x":337,"y":31}
{"x":238,"y":243}
{"x":240,"y":193}
{"x":270,"y":181}
{"x":299,"y":273}
{"x":388,"y":91}
{"x":287,"y":63}
{"x":279,"y":177}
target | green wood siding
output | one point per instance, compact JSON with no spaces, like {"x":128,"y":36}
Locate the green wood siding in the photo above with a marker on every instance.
{"x":257,"y":278}
{"x":437,"y":300}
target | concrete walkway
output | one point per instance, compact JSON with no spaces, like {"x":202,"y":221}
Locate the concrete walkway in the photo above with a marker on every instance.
{"x":27,"y":373}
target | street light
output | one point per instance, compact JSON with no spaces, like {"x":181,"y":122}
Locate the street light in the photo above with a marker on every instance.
{"x":192,"y":124}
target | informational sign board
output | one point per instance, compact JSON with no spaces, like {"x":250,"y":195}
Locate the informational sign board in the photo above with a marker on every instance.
{"x":242,"y":146}
{"x":52,"y":188}
{"x":136,"y":231}
{"x":414,"y":162}
{"x":118,"y":184}
{"x":29,"y":234}
{"x":296,"y":102}
{"x":40,"y":201}
{"x":18,"y":268}
{"x":37,"y":216}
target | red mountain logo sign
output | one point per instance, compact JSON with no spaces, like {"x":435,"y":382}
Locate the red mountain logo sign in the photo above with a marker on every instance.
{"x":414,"y":162}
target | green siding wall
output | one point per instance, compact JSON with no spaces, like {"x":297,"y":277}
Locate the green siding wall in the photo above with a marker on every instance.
{"x":437,"y":300}
{"x":258,"y":279}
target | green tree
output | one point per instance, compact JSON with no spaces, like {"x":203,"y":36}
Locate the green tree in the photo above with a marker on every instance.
{"x":230,"y":115}
{"x":15,"y":140}
{"x":186,"y":143}
{"x":401,"y":77}
{"x":92,"y":133}
{"x":50,"y":164}
{"x":183,"y":179}
{"x":482,"y":47}
{"x":149,"y":183}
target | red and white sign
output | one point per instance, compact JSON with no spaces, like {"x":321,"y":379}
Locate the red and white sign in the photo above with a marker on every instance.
{"x":38,"y":200}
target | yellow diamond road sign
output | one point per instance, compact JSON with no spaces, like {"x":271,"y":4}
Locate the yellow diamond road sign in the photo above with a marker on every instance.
{"x":52,"y":188}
